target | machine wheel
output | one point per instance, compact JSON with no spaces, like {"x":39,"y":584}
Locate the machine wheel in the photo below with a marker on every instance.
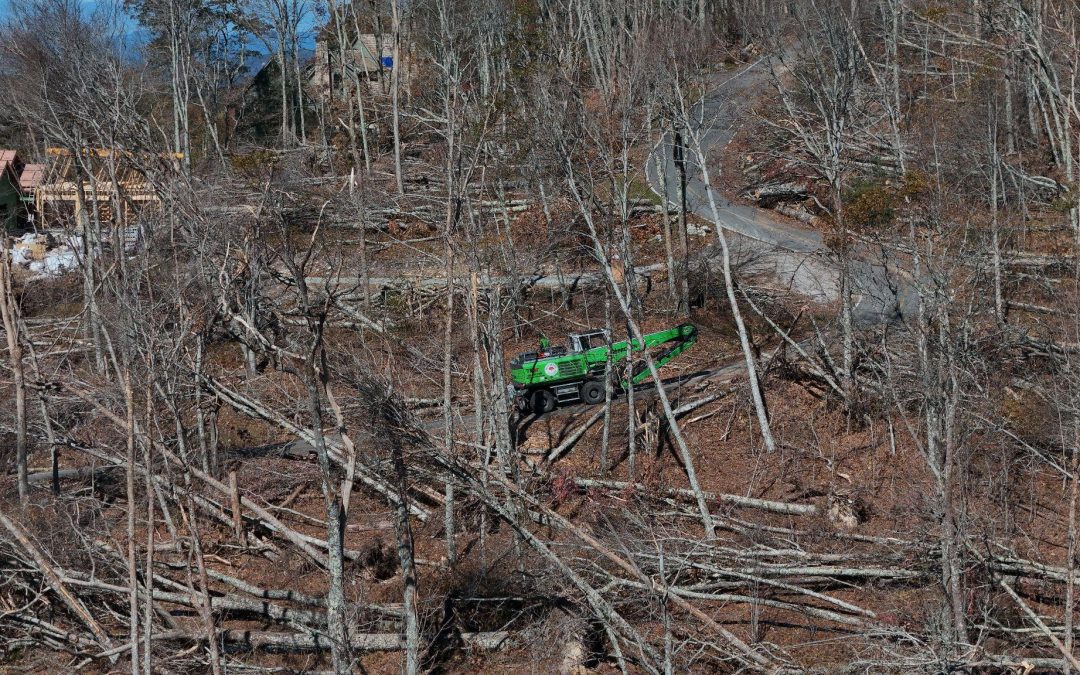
{"x":592,"y":392}
{"x":542,"y":401}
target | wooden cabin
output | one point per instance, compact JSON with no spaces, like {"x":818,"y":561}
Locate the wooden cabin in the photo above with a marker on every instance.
{"x":12,"y":212}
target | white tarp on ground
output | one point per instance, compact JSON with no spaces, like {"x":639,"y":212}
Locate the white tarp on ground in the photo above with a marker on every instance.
{"x":20,"y":257}
{"x":56,"y":260}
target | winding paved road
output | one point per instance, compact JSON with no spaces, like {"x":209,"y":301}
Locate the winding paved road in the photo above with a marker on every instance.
{"x":798,"y":256}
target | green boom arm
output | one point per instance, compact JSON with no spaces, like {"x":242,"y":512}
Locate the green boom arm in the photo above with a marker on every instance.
{"x":677,"y":339}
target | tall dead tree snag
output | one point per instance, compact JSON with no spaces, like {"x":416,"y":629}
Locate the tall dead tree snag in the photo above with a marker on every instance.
{"x":689,"y":128}
{"x":395,"y":87}
{"x":407,"y":559}
{"x":311,"y":366}
{"x":447,"y":404}
{"x":1068,"y":411}
{"x":752,"y":373}
{"x":9,"y":313}
{"x":931,"y":378}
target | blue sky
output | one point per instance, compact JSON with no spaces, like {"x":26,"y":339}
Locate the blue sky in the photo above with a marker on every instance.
{"x":88,"y":5}
{"x":133,"y":30}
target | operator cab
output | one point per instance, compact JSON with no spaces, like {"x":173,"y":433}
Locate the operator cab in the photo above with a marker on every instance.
{"x":583,"y":342}
{"x":579,"y":343}
{"x":521,"y":359}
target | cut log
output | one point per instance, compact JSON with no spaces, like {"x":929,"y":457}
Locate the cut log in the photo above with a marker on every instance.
{"x":769,"y":194}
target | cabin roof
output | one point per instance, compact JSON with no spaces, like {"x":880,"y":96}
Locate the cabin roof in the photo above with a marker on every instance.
{"x":9,"y":165}
{"x":31,"y":177}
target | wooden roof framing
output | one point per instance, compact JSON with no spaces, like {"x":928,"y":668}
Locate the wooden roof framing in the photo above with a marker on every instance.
{"x":57,"y":181}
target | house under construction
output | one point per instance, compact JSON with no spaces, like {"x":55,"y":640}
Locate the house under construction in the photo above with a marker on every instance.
{"x":60,"y":190}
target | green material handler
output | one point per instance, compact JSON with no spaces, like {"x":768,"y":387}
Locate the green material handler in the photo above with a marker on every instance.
{"x":555,"y":375}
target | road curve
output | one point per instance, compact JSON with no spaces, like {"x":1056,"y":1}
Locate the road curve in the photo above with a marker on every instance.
{"x":797,"y":255}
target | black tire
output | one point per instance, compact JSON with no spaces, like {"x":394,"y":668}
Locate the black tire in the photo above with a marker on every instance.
{"x":592,"y":392}
{"x":542,"y":401}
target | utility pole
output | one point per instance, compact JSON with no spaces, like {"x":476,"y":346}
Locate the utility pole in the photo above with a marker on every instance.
{"x":679,"y":155}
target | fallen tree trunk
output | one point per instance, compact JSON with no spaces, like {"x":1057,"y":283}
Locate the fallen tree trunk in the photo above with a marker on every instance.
{"x":256,"y":410}
{"x":1041,"y":625}
{"x":747,"y":655}
{"x":267,"y":519}
{"x":370,"y":642}
{"x":310,"y":642}
{"x":729,"y":598}
{"x":82,"y":472}
{"x":537,"y":280}
{"x":574,"y":437}
{"x":787,"y":508}
{"x":691,"y":406}
{"x":57,"y":583}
